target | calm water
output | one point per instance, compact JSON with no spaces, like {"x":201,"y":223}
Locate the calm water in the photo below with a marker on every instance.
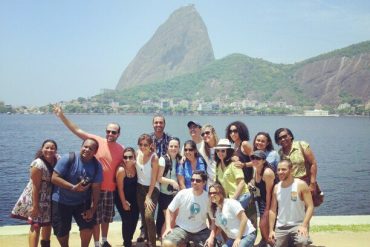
{"x":341,"y":146}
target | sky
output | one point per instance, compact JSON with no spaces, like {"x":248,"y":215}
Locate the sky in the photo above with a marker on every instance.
{"x":61,"y":50}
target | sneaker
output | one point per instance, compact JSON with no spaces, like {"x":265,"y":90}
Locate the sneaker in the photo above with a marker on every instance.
{"x":106,"y":244}
{"x":141,"y":238}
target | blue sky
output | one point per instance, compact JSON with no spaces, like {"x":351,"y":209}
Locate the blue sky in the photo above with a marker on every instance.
{"x":60,"y":50}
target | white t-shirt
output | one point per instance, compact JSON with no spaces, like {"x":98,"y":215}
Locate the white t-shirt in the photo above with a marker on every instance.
{"x":193,"y":210}
{"x":228,"y":221}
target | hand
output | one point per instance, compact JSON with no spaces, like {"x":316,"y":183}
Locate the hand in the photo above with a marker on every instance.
{"x":312,"y":187}
{"x":58,"y":110}
{"x":236,"y":242}
{"x":209,"y":242}
{"x":126,"y":205}
{"x":80,"y":187}
{"x":238,"y":164}
{"x":272,"y":238}
{"x":34,"y":212}
{"x":175,"y":185}
{"x":88,"y":214}
{"x":166,"y":232}
{"x":149,"y":203}
{"x":302,"y":231}
{"x":235,"y":158}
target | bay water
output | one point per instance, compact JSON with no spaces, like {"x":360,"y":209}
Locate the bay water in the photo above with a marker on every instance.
{"x":341,"y":146}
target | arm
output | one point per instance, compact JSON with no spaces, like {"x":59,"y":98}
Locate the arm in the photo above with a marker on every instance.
{"x":269,"y":178}
{"x":305,"y":195}
{"x":36,"y":175}
{"x":169,"y":218}
{"x":210,"y":241}
{"x":247,"y":148}
{"x":163,"y":180}
{"x":241,"y":184}
{"x":57,"y":180}
{"x":70,"y":125}
{"x":155,"y":167}
{"x":120,"y":176}
{"x":272,"y":216}
{"x":311,"y":158}
{"x":89,"y":214}
{"x":243,"y":222}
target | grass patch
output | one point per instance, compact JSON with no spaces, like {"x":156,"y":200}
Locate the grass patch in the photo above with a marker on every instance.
{"x":341,"y":228}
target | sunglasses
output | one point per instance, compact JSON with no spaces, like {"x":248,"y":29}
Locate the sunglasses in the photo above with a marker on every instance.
{"x":283,"y":137}
{"x":213,"y":193}
{"x":113,"y":132}
{"x":196,"y":180}
{"x":255,"y":158}
{"x":206,"y":133}
{"x":221,"y":151}
{"x":128,"y":157}
{"x":235,"y":131}
{"x":188,"y":150}
{"x":143,"y":145}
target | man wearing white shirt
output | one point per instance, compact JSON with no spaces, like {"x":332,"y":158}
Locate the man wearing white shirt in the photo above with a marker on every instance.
{"x":192,"y":206}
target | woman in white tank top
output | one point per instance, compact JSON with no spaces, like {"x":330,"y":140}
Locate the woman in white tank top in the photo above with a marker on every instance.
{"x":147,"y":189}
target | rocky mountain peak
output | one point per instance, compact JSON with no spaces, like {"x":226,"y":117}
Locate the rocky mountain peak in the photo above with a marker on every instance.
{"x":179,"y":46}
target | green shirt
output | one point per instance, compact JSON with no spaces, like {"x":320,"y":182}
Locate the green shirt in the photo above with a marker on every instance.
{"x":296,"y":157}
{"x":228,"y":179}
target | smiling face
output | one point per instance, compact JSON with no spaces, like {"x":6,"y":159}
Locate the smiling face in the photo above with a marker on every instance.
{"x":129,"y":158}
{"x":214,"y":195}
{"x":189,"y":151}
{"x":284,"y":170}
{"x":112,"y":132}
{"x":285,"y":140}
{"x":194,"y":131}
{"x":88,"y":149}
{"x":158,"y":124}
{"x":49,"y":150}
{"x":261,"y":142}
{"x":173,"y":148}
{"x":207,"y":135}
{"x":233,"y":133}
{"x":197,"y":182}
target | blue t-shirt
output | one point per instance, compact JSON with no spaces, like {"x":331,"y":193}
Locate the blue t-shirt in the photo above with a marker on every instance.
{"x":186,"y":171}
{"x":273,"y":159}
{"x":74,"y":173}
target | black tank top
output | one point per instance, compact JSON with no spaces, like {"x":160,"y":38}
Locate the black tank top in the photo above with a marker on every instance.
{"x":130,"y":189}
{"x":248,"y":171}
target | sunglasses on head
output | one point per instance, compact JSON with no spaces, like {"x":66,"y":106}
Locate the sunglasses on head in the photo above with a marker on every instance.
{"x":235,"y":131}
{"x":206,"y":133}
{"x":255,"y":158}
{"x":196,"y":180}
{"x":128,"y":157}
{"x":113,"y":132}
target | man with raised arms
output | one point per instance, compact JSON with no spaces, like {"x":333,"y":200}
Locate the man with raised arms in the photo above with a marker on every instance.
{"x":292,"y":198}
{"x":110,"y":155}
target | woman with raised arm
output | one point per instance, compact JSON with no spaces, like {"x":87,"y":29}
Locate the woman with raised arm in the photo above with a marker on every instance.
{"x":125,"y":198}
{"x":34,"y":204}
{"x":147,"y":188}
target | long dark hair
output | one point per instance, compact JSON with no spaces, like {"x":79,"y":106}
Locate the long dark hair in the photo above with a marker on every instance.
{"x":227,"y":161}
{"x":178,"y":155}
{"x":39,"y":154}
{"x":193,"y":145}
{"x":242,"y":131}
{"x":221,"y":191}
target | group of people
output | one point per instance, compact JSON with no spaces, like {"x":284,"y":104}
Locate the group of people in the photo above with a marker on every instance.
{"x":206,"y":192}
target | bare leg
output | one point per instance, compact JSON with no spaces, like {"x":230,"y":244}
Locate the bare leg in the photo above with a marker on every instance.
{"x":104,"y":229}
{"x":45,"y":236}
{"x":33,"y":236}
{"x":85,"y":236}
{"x":63,"y":241}
{"x":96,"y":232}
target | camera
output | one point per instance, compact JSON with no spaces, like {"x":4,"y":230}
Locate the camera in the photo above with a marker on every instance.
{"x":170,"y":188}
{"x":86,"y":181}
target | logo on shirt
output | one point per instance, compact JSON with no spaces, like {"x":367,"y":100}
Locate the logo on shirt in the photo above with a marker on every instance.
{"x":293,"y":196}
{"x":194,"y":210}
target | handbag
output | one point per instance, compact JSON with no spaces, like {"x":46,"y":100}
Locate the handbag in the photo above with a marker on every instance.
{"x":317,"y":194}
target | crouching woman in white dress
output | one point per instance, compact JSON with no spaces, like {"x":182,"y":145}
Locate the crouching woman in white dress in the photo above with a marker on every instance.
{"x":229,"y":216}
